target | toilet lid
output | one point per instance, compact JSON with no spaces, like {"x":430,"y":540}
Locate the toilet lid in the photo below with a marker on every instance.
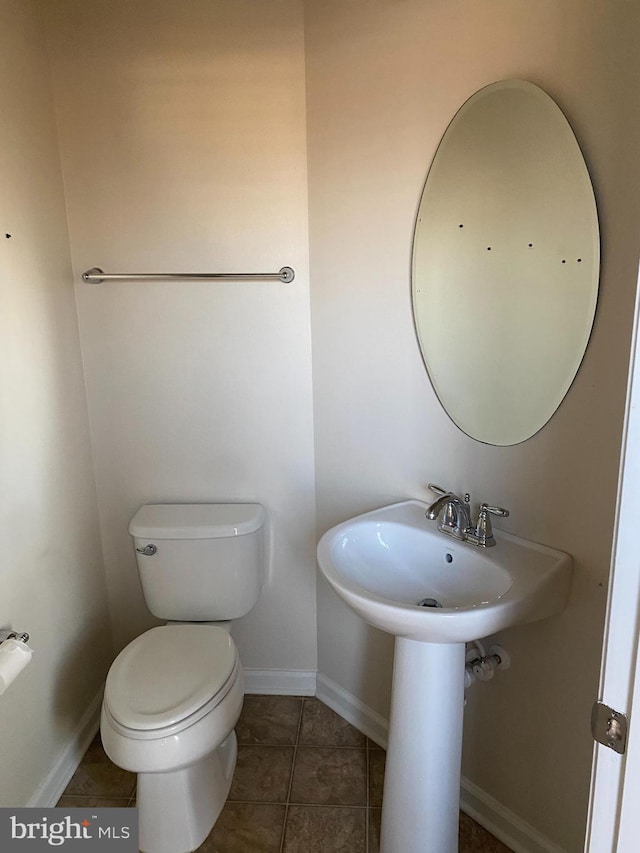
{"x":168,"y":673}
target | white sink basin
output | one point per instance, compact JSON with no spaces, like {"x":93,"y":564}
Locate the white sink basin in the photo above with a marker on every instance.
{"x":383,"y":563}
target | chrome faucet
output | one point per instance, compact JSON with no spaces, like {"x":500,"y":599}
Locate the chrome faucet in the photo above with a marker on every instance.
{"x":454,"y":514}
{"x":454,"y":517}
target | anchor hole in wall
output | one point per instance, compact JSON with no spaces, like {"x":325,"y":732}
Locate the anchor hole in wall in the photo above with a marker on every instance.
{"x":8,"y":236}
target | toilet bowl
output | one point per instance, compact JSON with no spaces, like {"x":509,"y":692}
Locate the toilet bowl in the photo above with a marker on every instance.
{"x":174,"y":694}
{"x":172,"y":699}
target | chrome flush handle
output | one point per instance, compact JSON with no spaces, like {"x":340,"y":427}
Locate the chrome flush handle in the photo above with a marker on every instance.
{"x":148,"y":550}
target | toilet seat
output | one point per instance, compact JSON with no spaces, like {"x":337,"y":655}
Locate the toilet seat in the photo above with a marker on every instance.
{"x":170,"y":677}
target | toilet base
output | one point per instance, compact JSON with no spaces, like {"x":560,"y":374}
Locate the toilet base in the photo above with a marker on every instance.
{"x":177,"y":810}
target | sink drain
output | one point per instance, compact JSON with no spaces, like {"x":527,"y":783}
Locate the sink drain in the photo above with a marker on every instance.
{"x":429,"y":602}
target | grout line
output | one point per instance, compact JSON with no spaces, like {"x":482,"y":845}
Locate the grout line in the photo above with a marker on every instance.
{"x":367,"y":813}
{"x":244,"y":745}
{"x":348,"y":806}
{"x":293,"y":767}
{"x":85,"y":797}
{"x":258,"y":802}
{"x":329,"y":746}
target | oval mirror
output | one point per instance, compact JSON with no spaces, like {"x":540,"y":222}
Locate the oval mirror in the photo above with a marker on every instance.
{"x":506,"y":258}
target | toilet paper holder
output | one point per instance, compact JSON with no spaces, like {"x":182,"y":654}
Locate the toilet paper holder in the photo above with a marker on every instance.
{"x":9,"y":634}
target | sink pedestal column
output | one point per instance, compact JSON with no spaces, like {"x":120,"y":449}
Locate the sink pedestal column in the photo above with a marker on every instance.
{"x":422,"y":777}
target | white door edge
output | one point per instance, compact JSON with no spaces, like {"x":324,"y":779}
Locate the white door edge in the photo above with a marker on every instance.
{"x":612,"y":817}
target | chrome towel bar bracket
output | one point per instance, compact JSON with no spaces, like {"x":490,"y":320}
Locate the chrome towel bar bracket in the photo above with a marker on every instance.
{"x":96,"y":276}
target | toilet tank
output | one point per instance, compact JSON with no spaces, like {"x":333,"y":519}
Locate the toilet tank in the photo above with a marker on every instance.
{"x":199,"y":562}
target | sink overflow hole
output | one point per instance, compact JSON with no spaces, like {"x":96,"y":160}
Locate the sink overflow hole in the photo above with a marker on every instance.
{"x":429,"y":602}
{"x":448,"y":558}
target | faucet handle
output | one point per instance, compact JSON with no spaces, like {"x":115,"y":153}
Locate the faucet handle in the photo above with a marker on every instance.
{"x":437,"y":490}
{"x":495,"y":510}
{"x":484,"y":532}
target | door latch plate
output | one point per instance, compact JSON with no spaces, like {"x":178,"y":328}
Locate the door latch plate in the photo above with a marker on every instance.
{"x":609,"y":727}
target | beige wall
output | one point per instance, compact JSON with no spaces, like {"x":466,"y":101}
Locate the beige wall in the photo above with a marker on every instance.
{"x":182,"y":131}
{"x":383,"y":80}
{"x":51,"y":575}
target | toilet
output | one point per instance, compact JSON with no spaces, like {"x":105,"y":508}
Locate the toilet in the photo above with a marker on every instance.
{"x":174,"y":694}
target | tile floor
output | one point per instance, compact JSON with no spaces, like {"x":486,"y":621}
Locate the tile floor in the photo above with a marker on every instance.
{"x":305,"y":782}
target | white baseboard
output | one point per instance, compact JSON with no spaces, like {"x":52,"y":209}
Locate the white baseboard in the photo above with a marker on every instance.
{"x":520,"y":836}
{"x":283,"y":682}
{"x":353,"y":710}
{"x":50,"y":789}
{"x":516,"y":833}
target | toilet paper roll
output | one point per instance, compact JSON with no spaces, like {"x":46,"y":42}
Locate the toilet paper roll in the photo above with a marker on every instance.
{"x":14,"y":656}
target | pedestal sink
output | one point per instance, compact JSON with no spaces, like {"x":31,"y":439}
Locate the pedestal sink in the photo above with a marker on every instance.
{"x":434,"y":593}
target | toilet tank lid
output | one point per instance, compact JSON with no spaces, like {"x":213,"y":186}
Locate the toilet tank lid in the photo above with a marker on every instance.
{"x":196,"y":521}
